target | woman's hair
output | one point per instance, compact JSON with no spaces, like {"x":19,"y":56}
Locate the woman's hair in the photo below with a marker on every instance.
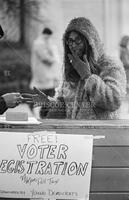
{"x":71,"y":74}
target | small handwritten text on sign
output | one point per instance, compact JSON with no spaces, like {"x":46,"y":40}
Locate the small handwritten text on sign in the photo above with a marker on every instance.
{"x":45,"y":165}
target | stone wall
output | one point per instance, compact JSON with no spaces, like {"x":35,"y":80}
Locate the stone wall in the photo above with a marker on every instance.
{"x":109,"y":16}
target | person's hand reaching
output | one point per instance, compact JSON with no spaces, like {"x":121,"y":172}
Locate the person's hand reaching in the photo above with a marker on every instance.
{"x":38,"y":98}
{"x":12,"y":99}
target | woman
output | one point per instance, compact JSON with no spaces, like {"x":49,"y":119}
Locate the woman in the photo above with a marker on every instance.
{"x":94,"y":85}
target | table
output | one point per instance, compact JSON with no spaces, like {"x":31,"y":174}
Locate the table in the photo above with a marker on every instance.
{"x":110,"y":166}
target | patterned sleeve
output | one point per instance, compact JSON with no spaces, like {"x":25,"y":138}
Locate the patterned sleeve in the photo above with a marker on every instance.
{"x":107,"y":89}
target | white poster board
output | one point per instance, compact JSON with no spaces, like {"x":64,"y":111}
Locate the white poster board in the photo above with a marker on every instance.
{"x":45,"y":165}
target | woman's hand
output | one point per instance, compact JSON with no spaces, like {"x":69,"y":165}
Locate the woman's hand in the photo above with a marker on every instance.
{"x":82,"y":67}
{"x":38,"y":98}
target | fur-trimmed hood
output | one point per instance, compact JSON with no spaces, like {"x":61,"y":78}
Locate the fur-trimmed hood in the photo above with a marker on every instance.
{"x":86,"y":28}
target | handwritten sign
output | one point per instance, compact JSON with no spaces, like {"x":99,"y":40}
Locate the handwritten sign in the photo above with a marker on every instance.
{"x":45,"y":165}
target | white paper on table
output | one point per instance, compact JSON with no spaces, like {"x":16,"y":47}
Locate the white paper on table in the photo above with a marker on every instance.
{"x":31,"y":120}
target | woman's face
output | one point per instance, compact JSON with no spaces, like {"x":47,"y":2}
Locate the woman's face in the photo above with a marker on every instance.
{"x":76,"y":43}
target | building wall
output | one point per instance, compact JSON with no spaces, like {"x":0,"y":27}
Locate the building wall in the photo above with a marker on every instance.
{"x":109,"y":16}
{"x":92,"y":9}
{"x":10,"y":26}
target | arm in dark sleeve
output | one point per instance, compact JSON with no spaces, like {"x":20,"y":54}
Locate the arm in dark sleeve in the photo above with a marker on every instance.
{"x":3,"y":106}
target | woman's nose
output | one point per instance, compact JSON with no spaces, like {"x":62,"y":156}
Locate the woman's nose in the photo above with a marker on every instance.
{"x":74,"y":44}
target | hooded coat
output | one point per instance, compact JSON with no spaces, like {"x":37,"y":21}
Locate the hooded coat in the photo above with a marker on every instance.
{"x":124,"y":51}
{"x":100,"y":95}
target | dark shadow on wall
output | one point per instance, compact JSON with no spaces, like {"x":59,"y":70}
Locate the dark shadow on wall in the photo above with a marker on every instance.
{"x":15,"y":71}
